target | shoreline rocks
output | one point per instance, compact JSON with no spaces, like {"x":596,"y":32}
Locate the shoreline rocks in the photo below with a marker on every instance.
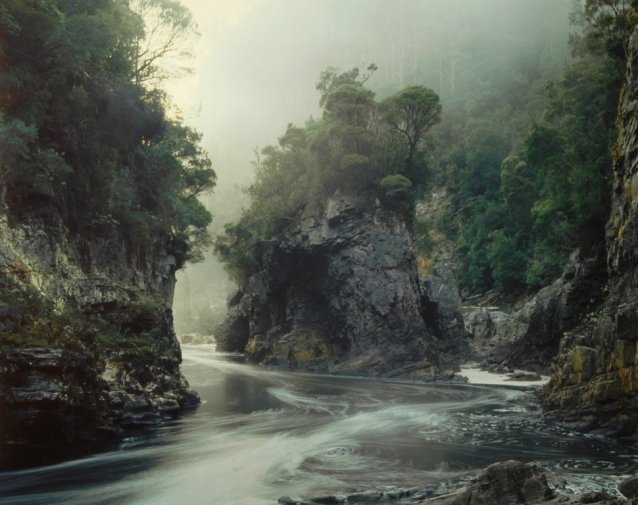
{"x":87,"y":346}
{"x":506,"y":482}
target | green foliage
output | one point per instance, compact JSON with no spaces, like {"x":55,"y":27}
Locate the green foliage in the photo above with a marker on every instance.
{"x":83,"y":132}
{"x":411,"y":113}
{"x":352,"y":149}
{"x":396,"y":192}
{"x":608,"y":26}
{"x":526,"y":193}
{"x":507,"y":262}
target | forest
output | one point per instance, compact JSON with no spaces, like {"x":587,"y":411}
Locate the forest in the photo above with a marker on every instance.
{"x":523,"y":149}
{"x":84,"y":123}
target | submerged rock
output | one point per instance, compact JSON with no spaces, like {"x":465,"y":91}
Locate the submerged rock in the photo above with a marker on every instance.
{"x":629,"y":488}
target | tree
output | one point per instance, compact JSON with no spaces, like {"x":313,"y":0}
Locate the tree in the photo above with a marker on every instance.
{"x":519,"y":191}
{"x":80,"y":136}
{"x":608,"y":23}
{"x":411,"y":113}
{"x":346,"y":150}
{"x":167,"y":30}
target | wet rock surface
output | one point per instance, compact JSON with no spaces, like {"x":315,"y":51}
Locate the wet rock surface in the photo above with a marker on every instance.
{"x":529,"y":336}
{"x":341,"y":294}
{"x":506,"y":482}
{"x":594,"y":385}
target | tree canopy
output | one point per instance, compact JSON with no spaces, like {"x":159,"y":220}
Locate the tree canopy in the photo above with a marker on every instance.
{"x":531,"y":183}
{"x":83,"y":124}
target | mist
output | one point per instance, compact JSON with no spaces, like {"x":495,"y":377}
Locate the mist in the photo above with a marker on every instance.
{"x":257,"y":63}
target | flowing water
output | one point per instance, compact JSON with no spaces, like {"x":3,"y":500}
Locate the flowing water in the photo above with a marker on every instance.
{"x":261,"y":434}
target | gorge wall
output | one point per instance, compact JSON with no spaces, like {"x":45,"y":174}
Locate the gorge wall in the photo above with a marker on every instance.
{"x":87,"y":347}
{"x":341,"y":293}
{"x":595,"y":379}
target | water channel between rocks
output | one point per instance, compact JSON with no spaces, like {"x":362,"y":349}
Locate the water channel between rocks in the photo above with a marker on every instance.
{"x":260,"y":434}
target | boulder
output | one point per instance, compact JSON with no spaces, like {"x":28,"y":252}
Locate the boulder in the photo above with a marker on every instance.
{"x":506,"y":482}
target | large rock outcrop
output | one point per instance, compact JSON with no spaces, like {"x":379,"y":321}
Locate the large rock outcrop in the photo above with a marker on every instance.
{"x":529,"y":337}
{"x":87,"y":346}
{"x":595,"y":380}
{"x":340,"y":293}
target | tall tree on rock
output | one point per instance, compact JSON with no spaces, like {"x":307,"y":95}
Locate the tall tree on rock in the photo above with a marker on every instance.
{"x":411,"y":113}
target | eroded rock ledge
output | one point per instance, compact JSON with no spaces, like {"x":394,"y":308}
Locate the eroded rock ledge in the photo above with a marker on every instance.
{"x":87,"y":347}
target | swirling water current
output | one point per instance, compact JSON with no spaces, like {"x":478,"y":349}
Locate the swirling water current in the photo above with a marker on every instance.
{"x":261,"y":434}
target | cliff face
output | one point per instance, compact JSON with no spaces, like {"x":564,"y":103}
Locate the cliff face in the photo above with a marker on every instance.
{"x":529,"y":337}
{"x":87,"y":344}
{"x":340,"y":293}
{"x":595,"y":379}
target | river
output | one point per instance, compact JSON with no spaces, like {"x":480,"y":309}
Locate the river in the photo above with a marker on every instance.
{"x":261,"y":434}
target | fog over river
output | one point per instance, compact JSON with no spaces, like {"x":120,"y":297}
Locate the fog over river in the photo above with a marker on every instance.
{"x":261,"y":434}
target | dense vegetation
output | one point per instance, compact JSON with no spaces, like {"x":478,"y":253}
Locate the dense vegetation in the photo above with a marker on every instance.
{"x":84,"y":129}
{"x":528,"y":162}
{"x":371,"y":151}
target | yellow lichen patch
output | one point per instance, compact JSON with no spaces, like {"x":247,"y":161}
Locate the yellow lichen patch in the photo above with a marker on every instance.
{"x":425,"y":265}
{"x":304,"y":356}
{"x":632,"y":188}
{"x":18,"y":271}
{"x":577,"y":362}
{"x":255,"y":344}
{"x":628,"y":378}
{"x":621,"y":230}
{"x":622,"y":356}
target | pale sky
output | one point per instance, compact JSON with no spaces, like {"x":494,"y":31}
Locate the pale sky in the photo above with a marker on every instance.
{"x":213,"y":18}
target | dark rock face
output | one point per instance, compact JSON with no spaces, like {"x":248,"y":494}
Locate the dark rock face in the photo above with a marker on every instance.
{"x":595,"y":379}
{"x":340,"y":293}
{"x":442,"y":312}
{"x":530,"y":337}
{"x":507,"y":482}
{"x":68,"y":395}
{"x":51,"y":404}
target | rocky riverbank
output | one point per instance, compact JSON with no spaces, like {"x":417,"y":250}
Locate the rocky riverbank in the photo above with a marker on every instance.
{"x":87,"y":347}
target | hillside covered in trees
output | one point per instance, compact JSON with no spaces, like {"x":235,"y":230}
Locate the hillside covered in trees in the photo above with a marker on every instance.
{"x":521,"y":143}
